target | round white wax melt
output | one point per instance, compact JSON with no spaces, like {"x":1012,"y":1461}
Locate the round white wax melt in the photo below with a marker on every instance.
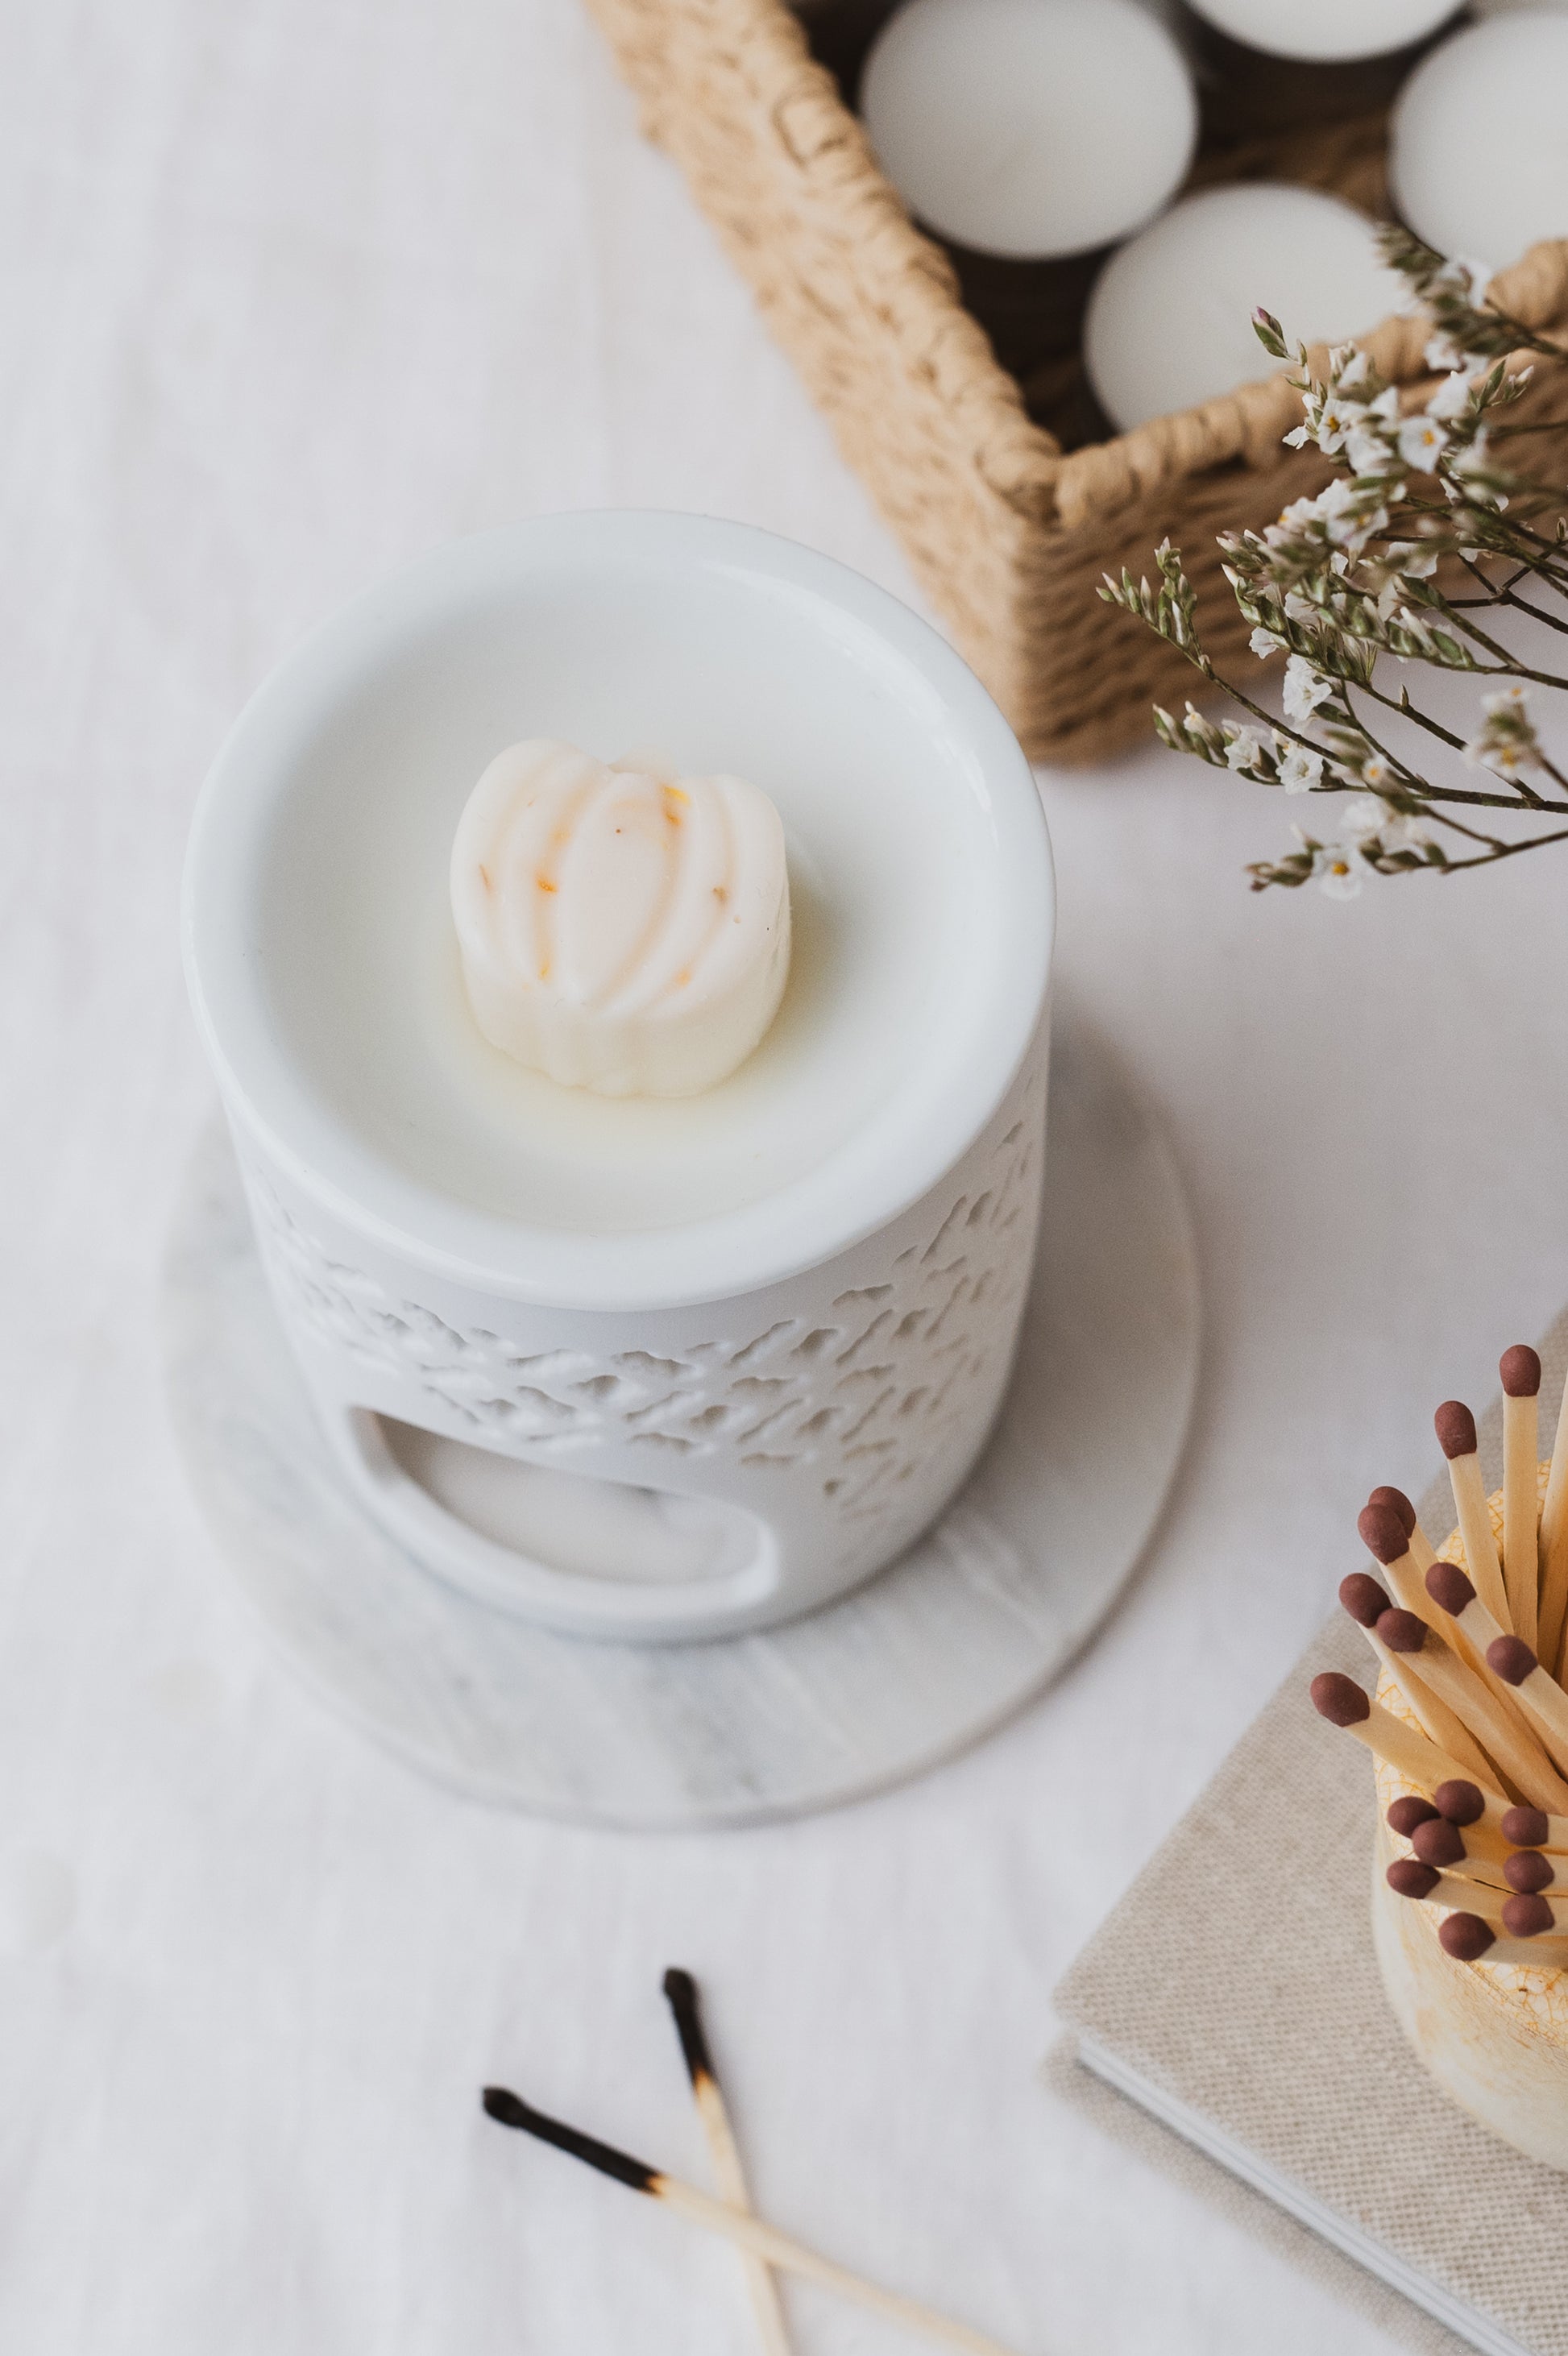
{"x":1478,"y":143}
{"x":620,"y":930}
{"x":1329,"y":30}
{"x":1170,"y":320}
{"x":1030,"y":128}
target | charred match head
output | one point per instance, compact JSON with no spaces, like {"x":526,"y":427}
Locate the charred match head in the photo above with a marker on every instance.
{"x":1455,"y":1429}
{"x":509,"y":2110}
{"x":1520,"y":1371}
{"x":1465,"y":1937}
{"x":1449,"y":1589}
{"x":680,"y":1994}
{"x":1363,"y":1598}
{"x":1339,"y":1699}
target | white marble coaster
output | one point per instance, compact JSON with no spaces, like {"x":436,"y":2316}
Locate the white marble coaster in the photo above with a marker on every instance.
{"x":928,"y":1658}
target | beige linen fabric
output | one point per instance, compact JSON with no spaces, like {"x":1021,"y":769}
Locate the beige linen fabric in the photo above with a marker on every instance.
{"x":1238,"y":1976}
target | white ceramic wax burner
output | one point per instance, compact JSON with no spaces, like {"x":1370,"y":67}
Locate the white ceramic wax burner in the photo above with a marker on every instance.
{"x":639,"y":1365}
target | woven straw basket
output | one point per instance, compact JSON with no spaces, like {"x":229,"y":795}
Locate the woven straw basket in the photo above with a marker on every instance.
{"x":1007,"y":533}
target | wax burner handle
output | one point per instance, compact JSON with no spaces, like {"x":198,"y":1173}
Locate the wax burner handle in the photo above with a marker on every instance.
{"x":503,"y":1575}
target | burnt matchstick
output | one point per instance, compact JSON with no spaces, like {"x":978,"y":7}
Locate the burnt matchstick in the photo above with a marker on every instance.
{"x":1455,"y":1429}
{"x":1520,"y":1370}
{"x":748,"y":2233}
{"x":680,"y":1994}
{"x":1544,"y":1711}
{"x":1471,"y":1703}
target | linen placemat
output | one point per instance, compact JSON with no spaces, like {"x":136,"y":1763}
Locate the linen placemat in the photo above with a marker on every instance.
{"x":1235,"y":1989}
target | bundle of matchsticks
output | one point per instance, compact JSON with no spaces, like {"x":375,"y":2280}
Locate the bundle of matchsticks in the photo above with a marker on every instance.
{"x":1477,"y":1656}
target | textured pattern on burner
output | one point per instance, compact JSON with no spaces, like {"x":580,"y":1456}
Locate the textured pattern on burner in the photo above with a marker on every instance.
{"x":866,"y":1392}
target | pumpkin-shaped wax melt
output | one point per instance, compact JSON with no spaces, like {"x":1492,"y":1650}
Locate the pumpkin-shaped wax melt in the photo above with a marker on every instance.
{"x":621,"y":930}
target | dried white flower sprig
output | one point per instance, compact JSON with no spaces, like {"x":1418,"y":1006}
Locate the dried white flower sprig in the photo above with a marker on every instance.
{"x":1352,"y":576}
